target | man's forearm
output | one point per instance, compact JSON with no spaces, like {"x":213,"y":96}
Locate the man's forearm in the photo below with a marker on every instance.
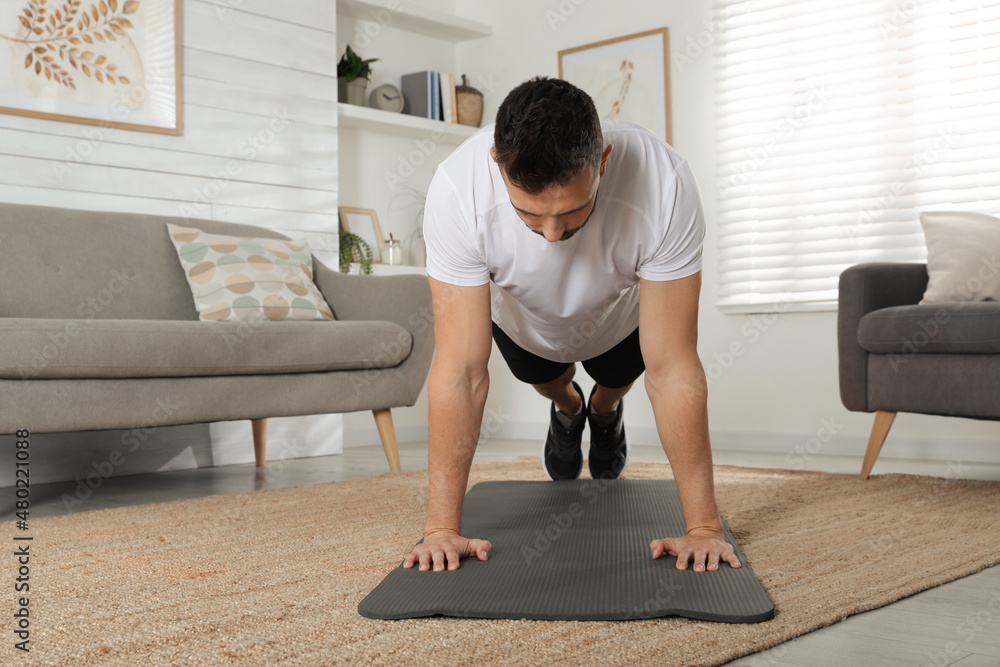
{"x":679,"y":399}
{"x":454,"y":419}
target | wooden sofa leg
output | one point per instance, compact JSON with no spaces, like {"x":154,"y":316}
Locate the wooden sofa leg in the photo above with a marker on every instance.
{"x":880,"y":429}
{"x":383,"y":420}
{"x":260,"y":441}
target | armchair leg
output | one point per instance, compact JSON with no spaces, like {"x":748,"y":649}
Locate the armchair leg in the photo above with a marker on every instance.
{"x":260,"y":441}
{"x":880,"y":429}
{"x":383,"y":420}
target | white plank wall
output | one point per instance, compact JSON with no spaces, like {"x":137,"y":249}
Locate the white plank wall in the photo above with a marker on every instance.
{"x":250,"y":68}
{"x":259,"y":147}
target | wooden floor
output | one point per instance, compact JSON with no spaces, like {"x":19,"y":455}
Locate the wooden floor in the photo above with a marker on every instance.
{"x":954,"y":624}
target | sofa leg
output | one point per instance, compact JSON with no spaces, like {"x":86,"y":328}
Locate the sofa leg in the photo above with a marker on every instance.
{"x":260,"y":441}
{"x":383,"y":420}
{"x":880,"y":429}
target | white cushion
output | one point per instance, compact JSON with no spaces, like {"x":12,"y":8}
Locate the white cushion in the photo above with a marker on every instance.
{"x":963,"y":256}
{"x":245,"y":279}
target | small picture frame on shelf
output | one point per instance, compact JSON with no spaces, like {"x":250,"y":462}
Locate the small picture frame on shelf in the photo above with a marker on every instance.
{"x":364,"y":223}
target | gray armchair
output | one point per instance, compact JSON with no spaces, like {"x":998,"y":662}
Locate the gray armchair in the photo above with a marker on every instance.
{"x":899,"y":356}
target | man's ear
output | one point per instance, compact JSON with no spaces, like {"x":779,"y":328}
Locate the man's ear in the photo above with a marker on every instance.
{"x":493,"y":154}
{"x":604,"y":158}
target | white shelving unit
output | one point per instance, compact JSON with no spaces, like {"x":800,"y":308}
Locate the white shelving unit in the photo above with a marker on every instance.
{"x":364,"y":118}
{"x":415,"y":19}
{"x":369,"y":135}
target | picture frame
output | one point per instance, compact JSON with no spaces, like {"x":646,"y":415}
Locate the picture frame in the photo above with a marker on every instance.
{"x":112,"y":63}
{"x":628,"y":77}
{"x":364,"y":223}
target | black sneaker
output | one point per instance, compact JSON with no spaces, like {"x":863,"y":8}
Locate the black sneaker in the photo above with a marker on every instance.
{"x":561,"y":457}
{"x":609,"y":450}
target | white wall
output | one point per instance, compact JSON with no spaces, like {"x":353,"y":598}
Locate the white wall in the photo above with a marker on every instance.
{"x":367,"y":157}
{"x":259,"y":106}
{"x":784,"y":388}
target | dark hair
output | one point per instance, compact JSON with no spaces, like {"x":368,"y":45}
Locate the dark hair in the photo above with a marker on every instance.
{"x":547,"y":132}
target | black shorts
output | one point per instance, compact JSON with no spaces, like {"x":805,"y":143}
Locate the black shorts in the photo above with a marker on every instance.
{"x":618,"y":367}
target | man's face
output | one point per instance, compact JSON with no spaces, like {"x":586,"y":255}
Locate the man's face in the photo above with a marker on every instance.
{"x":559,"y":212}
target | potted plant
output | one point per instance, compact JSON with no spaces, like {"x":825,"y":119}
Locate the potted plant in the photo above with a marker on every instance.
{"x":352,"y":77}
{"x":353,"y":248}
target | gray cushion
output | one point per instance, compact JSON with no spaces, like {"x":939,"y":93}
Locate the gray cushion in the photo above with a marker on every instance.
{"x":59,"y":348}
{"x":954,"y":328}
{"x":954,"y":385}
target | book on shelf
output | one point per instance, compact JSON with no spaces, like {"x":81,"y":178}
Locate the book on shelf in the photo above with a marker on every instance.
{"x":436,"y":95}
{"x":416,"y":89}
{"x":449,"y":102}
{"x":430,"y":94}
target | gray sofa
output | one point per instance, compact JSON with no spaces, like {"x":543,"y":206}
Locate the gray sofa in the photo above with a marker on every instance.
{"x":100,"y":331}
{"x":899,"y":356}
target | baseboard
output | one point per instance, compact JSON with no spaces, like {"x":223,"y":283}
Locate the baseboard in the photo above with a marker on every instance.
{"x":800,"y":446}
{"x":796,"y":447}
{"x":93,"y":456}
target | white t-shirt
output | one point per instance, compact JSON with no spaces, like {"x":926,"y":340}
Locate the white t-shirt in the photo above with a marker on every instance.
{"x":575,"y":299}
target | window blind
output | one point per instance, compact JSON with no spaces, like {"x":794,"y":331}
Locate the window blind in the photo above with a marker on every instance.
{"x":837,"y":123}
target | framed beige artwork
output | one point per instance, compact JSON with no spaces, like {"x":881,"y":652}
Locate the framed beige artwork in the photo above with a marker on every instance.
{"x":628,"y":77}
{"x":113,"y":63}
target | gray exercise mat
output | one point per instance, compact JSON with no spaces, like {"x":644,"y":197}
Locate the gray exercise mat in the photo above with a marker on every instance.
{"x":573,"y":550}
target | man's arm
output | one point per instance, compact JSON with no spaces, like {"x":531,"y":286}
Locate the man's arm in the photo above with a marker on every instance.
{"x":675,"y":382}
{"x":457,"y":388}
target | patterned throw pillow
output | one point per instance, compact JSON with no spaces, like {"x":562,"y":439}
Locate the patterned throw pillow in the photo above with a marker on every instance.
{"x":246,"y":279}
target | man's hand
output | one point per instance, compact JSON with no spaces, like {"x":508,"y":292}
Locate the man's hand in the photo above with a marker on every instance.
{"x":446,"y":548}
{"x":700,"y":546}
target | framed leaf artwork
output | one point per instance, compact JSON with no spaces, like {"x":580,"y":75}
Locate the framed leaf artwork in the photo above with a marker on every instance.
{"x":113,"y":63}
{"x":628,"y":77}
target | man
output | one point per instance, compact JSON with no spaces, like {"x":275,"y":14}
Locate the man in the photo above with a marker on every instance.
{"x":589,"y":240}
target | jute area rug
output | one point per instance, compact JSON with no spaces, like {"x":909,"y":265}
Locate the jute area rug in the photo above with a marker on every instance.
{"x":274,"y":577}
